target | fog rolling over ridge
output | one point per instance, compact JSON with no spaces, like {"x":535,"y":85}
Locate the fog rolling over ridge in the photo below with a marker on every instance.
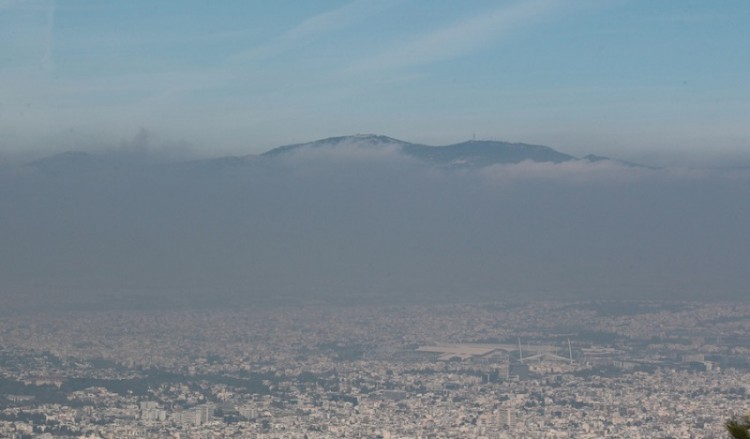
{"x":368,"y":218}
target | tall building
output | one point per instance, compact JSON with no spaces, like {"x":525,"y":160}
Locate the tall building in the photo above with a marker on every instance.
{"x":505,"y":417}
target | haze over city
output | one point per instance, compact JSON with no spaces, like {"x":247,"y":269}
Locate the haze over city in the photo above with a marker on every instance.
{"x":369,"y":218}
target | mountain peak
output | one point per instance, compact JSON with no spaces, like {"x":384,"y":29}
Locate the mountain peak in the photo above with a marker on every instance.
{"x":478,"y":153}
{"x":475,"y":153}
{"x":353,"y":140}
{"x":371,"y":136}
{"x":503,"y":144}
{"x":357,"y":138}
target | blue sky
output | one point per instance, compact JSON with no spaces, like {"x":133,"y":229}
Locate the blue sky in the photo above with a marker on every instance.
{"x":663,"y":81}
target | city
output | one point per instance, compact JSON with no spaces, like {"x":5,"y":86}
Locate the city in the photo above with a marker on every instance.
{"x":491,"y":370}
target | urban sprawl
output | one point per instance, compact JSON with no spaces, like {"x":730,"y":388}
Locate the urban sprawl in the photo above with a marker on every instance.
{"x":491,"y":370}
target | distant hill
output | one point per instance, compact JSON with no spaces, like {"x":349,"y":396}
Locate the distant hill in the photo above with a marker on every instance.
{"x":71,"y":162}
{"x":354,"y":141}
{"x":469,"y":154}
{"x":486,"y":153}
{"x":474,"y":153}
{"x":597,"y":158}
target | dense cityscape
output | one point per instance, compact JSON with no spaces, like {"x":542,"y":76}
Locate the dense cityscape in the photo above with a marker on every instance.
{"x":499,"y":370}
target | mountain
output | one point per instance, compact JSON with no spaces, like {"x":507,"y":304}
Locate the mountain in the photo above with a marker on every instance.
{"x":342,"y":142}
{"x":469,"y":154}
{"x":593,"y":158}
{"x":81,"y":163}
{"x":72,"y":162}
{"x":486,"y":153}
{"x":473,"y":153}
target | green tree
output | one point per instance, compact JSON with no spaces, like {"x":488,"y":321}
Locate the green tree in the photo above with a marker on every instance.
{"x":739,"y":428}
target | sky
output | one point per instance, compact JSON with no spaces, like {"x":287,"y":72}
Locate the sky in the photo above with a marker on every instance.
{"x":663,"y":82}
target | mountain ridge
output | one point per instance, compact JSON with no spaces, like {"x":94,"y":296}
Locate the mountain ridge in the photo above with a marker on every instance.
{"x":470,"y":153}
{"x":467,"y":154}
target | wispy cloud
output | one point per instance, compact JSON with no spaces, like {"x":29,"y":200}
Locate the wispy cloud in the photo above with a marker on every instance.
{"x":318,"y":25}
{"x":459,"y":38}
